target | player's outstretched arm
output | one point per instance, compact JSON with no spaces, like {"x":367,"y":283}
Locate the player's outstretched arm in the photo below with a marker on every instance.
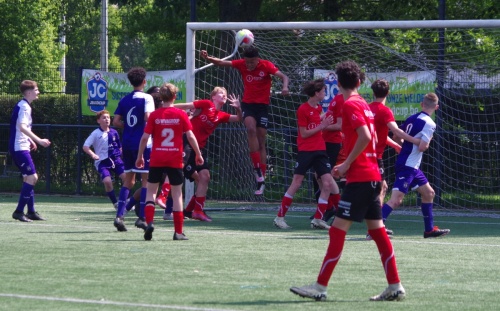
{"x":184,"y":106}
{"x":401,"y":134}
{"x":214,"y":60}
{"x":391,"y":143}
{"x":235,"y":103}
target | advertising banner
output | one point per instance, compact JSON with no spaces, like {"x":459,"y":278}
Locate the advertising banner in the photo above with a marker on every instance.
{"x":103,"y":90}
{"x":407,"y":89}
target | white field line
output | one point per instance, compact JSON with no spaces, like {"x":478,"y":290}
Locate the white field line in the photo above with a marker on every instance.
{"x":109,"y":302}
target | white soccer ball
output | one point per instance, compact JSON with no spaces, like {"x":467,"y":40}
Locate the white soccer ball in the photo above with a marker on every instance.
{"x":244,"y":38}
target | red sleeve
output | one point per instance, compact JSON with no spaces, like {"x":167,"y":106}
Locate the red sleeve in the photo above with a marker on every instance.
{"x":357,"y":118}
{"x":302,"y":117}
{"x":223,"y":117}
{"x":237,"y":63}
{"x":271,"y":68}
{"x":388,"y":116}
{"x":200,"y":104}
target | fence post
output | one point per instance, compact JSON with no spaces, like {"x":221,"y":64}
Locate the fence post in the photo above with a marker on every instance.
{"x":79,"y":142}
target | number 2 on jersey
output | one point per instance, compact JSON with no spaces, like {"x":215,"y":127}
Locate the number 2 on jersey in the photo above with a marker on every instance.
{"x":168,"y":133}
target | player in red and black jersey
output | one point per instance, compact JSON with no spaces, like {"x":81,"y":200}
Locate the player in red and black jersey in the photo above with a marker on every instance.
{"x":166,"y":126}
{"x":360,"y":198}
{"x":256,"y":74}
{"x":207,"y":117}
{"x":311,"y":154}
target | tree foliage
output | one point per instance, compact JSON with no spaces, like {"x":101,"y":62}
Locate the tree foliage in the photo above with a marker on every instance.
{"x":151,"y":33}
{"x":29,"y":39}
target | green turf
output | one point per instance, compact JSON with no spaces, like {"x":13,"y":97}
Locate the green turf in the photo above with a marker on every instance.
{"x":76,"y":260}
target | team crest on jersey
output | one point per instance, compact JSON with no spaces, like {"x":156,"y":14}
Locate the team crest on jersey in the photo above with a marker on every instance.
{"x":97,"y":90}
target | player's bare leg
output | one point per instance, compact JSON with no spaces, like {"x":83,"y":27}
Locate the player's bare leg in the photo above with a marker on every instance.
{"x":255,"y":151}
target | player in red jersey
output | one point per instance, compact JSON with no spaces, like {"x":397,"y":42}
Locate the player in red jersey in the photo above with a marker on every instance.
{"x":360,"y":198}
{"x":311,"y":154}
{"x":206,"y":119}
{"x":384,"y":121}
{"x":333,"y":139}
{"x":256,"y":75}
{"x":167,"y":126}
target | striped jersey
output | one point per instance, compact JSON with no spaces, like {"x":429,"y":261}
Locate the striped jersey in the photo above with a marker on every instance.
{"x":419,"y":125}
{"x":18,"y":141}
{"x":105,"y":144}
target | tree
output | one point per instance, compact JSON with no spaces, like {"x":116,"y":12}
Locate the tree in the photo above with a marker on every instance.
{"x":30,"y":47}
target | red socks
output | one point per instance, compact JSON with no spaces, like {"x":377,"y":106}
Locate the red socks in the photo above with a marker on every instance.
{"x":386,"y":251}
{"x":285,"y":205}
{"x":191,"y":204}
{"x":333,"y":253}
{"x":333,"y":201}
{"x":199,"y":203}
{"x":165,"y":189}
{"x":149,"y":212}
{"x":320,"y":211}
{"x":178,"y":221}
{"x":255,"y":157}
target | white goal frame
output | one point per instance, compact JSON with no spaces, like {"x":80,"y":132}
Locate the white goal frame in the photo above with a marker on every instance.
{"x":192,"y":27}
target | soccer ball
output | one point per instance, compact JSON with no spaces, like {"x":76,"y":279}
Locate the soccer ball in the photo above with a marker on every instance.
{"x":244,"y":38}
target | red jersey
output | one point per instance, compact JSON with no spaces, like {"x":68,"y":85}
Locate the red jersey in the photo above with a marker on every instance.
{"x":355,"y":114}
{"x":256,"y":83}
{"x":382,"y":115}
{"x":207,"y":121}
{"x":335,"y":109}
{"x":167,"y":126}
{"x":309,"y":117}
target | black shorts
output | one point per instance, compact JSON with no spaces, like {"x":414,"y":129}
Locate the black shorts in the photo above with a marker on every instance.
{"x":318,"y":160}
{"x":360,"y":200}
{"x":190,"y":162}
{"x":257,"y":111}
{"x":156,"y":175}
{"x":381,"y":168}
{"x":332,"y":150}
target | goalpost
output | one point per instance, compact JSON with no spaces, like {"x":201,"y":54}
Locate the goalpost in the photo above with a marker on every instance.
{"x":459,"y":60}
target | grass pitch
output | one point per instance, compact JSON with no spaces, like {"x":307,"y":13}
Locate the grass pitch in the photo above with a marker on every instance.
{"x":76,"y":260}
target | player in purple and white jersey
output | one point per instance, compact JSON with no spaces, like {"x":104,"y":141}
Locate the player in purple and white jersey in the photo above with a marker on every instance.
{"x":131,"y":115}
{"x":408,"y":173}
{"x":107,"y":153}
{"x":21,"y":141}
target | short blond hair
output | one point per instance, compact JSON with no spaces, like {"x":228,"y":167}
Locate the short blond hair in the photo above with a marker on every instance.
{"x":218,"y":89}
{"x":168,"y":92}
{"x":431,"y":100}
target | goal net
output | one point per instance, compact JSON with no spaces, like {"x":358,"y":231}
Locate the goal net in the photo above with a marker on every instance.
{"x":458,"y":60}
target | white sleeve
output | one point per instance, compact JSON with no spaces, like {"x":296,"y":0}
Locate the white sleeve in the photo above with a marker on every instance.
{"x":149,"y":105}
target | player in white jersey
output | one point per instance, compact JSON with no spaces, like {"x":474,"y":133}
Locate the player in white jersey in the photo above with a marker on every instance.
{"x":107,"y":153}
{"x":21,"y":141}
{"x":408,"y":173}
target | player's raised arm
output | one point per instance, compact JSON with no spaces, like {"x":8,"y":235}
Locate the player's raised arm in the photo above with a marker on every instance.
{"x":235,"y":103}
{"x":214,"y":60}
